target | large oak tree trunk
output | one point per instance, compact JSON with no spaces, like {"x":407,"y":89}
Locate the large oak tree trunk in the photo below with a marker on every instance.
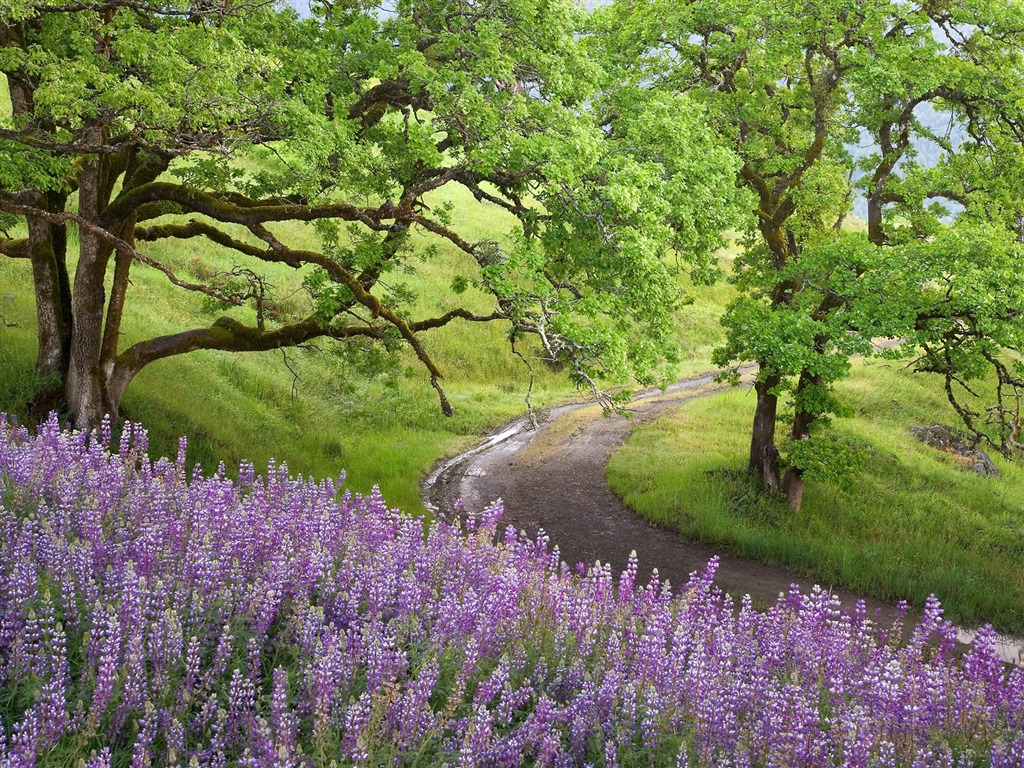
{"x":764,"y":455}
{"x":793,"y":481}
{"x":48,"y":251}
{"x":83,"y":388}
{"x":52,"y":320}
{"x":47,"y":245}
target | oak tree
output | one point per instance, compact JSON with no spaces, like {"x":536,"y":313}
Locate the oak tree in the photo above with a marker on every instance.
{"x":138,"y":121}
{"x":796,"y":90}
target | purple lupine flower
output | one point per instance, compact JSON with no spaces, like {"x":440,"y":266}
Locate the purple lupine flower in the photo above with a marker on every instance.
{"x":176,"y":618}
{"x":147,"y":732}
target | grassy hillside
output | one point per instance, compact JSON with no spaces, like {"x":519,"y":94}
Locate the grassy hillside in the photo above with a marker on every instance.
{"x":913,"y":523}
{"x":321,"y":409}
{"x":383,"y":426}
{"x":343,"y":410}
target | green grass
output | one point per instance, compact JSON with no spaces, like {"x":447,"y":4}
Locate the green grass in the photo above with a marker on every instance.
{"x":5,"y":101}
{"x":383,"y":428}
{"x":381,"y":423}
{"x":913,"y":523}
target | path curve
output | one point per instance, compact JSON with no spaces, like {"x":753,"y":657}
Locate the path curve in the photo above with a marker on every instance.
{"x":552,"y":477}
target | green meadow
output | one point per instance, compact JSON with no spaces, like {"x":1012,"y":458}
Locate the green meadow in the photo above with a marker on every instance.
{"x":914,"y":522}
{"x":328,"y":407}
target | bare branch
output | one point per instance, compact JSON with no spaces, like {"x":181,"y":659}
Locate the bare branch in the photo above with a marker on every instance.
{"x":292,"y":371}
{"x":16,"y":249}
{"x":237,"y":209}
{"x":12,"y":204}
{"x":464,"y":314}
{"x":442,"y":231}
{"x":196,"y":228}
{"x":36,"y":141}
{"x":230,"y":335}
{"x":212,"y":291}
{"x":446,"y":407}
{"x":531,"y":415}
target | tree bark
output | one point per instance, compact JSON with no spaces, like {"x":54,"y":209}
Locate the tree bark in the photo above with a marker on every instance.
{"x":52,"y":321}
{"x":876,"y":232}
{"x":115,"y":309}
{"x":57,"y":202}
{"x":764,"y":456}
{"x":793,"y":481}
{"x":793,"y":488}
{"x":47,"y":251}
{"x":84,"y":385}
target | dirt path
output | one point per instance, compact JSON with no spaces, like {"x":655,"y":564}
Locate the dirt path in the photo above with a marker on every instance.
{"x":553,"y":478}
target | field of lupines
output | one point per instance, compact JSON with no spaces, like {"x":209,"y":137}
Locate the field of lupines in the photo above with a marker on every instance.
{"x":148,"y":618}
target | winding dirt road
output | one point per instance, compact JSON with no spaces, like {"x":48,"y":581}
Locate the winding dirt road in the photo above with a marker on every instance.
{"x":553,"y":478}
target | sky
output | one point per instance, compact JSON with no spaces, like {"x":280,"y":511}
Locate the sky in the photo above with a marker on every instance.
{"x":302,"y":6}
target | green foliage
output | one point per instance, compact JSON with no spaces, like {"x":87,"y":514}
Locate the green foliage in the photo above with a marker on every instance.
{"x":794,"y":90}
{"x":243,"y":118}
{"x":826,"y":459}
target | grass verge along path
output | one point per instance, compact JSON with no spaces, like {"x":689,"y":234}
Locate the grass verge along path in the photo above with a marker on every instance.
{"x":913,"y":523}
